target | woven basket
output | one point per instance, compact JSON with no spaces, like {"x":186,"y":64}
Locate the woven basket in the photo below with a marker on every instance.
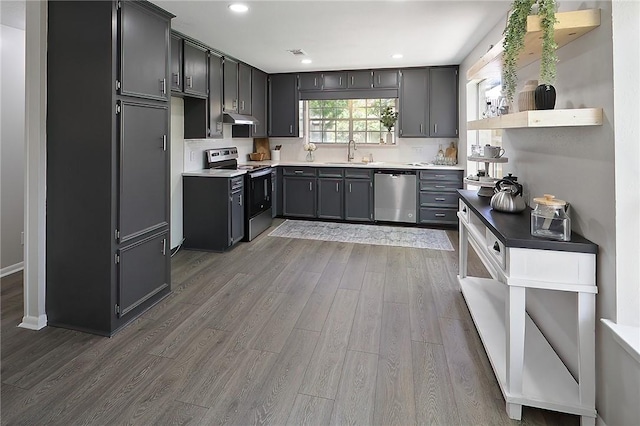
{"x":257,"y":156}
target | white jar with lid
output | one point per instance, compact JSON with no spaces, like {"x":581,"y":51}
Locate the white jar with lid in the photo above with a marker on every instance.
{"x":549,"y":219}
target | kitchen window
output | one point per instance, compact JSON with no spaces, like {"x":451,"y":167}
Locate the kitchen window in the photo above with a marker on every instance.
{"x":341,"y":120}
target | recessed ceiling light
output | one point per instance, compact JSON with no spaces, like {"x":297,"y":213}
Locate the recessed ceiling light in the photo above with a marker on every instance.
{"x":238,"y":7}
{"x":397,"y":56}
{"x":306,"y":61}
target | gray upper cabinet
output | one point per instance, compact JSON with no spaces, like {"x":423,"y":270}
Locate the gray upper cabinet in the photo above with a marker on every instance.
{"x":443,"y":102}
{"x":176,"y":63}
{"x":143,"y":163}
{"x":385,"y":79}
{"x":195,"y":70}
{"x":283,"y":105}
{"x":244,"y":89}
{"x":414,"y":103}
{"x":359,"y":79}
{"x":143,"y":46}
{"x":215,"y":96}
{"x":259,"y":103}
{"x":310,"y":81}
{"x":230,"y":85}
{"x":334,"y":80}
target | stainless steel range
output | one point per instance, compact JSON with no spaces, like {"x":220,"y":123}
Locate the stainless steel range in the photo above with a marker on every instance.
{"x":257,"y":193}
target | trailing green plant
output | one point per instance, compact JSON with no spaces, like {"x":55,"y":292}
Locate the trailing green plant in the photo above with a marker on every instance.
{"x":388,"y":118}
{"x":548,"y":60}
{"x":513,"y":43}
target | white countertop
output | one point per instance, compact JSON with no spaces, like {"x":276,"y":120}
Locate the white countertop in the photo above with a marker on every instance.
{"x":374,"y":165}
{"x":216,"y":173}
{"x":225,"y":173}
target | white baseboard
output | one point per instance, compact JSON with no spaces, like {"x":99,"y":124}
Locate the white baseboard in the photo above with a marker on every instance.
{"x":11,"y":269}
{"x":33,"y":323}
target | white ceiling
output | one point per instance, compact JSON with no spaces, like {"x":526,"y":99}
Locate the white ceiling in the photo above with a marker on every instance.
{"x":340,"y":34}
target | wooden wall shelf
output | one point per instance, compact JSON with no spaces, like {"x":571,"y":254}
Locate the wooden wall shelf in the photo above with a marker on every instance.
{"x":570,"y":26}
{"x":541,"y":118}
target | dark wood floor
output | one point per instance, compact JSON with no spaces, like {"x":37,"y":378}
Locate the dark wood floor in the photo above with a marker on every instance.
{"x":277,"y":331}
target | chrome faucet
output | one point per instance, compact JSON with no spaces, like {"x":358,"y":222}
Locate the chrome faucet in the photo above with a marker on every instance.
{"x":350,"y":153}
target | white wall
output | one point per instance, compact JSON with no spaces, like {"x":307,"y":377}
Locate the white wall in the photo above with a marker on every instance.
{"x":12,"y":125}
{"x":578,"y":165}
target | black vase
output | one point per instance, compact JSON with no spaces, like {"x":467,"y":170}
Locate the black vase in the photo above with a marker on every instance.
{"x":545,"y":96}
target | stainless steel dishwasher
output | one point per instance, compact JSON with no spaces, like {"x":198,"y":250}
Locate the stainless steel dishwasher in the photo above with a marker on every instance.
{"x":395,"y":196}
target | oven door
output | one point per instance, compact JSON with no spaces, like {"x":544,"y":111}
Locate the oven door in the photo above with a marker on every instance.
{"x":258,"y":195}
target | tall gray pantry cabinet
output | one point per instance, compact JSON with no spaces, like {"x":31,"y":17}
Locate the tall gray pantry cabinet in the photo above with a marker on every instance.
{"x":108,"y":85}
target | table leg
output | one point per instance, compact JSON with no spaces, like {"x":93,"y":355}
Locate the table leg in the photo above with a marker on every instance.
{"x":515,"y":323}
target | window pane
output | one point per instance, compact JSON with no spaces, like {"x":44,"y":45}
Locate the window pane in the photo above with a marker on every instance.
{"x":315,"y":104}
{"x":359,"y":125}
{"x":315,"y":136}
{"x":342,"y":137}
{"x":373,"y":125}
{"x":315,"y":125}
{"x":359,"y":137}
{"x":315,"y":113}
{"x":329,"y":125}
{"x":342,"y":125}
{"x":329,"y":137}
{"x":359,"y":113}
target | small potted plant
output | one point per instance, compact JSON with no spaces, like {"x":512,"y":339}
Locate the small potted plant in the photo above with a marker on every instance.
{"x":513,"y":44}
{"x":388,"y":119}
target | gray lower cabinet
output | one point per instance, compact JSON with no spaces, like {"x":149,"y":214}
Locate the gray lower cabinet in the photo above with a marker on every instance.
{"x":358,"y":199}
{"x":330,"y":198}
{"x":443,"y":102}
{"x":195,"y":69}
{"x":276,"y":197}
{"x":438,"y":197}
{"x":213,"y":212}
{"x":299,"y":196}
{"x":283,"y":105}
{"x":107,"y":214}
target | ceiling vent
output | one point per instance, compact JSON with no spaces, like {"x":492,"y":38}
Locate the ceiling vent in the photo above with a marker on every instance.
{"x":297,"y":52}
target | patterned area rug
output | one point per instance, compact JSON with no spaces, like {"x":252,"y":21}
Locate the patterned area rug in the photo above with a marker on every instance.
{"x":435,"y":239}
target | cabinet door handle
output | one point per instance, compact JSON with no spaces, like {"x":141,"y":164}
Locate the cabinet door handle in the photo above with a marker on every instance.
{"x":176,"y":77}
{"x":352,"y":80}
{"x":310,"y":189}
{"x":242,"y":105}
{"x":421,"y":128}
{"x":164,"y":246}
{"x":435,"y":128}
{"x":439,"y":186}
{"x":349,"y":187}
{"x":164,"y":142}
{"x":340,"y":82}
{"x":441,"y":199}
{"x":298,"y":172}
{"x":234,"y":104}
{"x":440,"y":215}
{"x":189,"y":81}
{"x":337,"y":189}
{"x":163,"y":86}
{"x":378,"y":78}
{"x":240,"y":200}
{"x":290,"y":128}
{"x":255,"y":128}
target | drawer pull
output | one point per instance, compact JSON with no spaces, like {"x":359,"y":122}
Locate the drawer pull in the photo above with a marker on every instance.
{"x":496,"y":247}
{"x":441,"y":199}
{"x":298,"y":172}
{"x":440,"y":186}
{"x":439,"y":176}
{"x":440,"y":215}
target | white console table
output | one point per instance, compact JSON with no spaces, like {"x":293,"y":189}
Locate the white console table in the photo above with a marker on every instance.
{"x":526,"y":366}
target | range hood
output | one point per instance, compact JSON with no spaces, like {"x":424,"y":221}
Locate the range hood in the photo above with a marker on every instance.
{"x":235,"y":118}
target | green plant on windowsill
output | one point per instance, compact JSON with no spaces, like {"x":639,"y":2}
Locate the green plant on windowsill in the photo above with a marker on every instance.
{"x":513,"y":44}
{"x":388,"y":118}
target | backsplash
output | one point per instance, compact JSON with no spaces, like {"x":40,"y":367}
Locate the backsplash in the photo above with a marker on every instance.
{"x":405,"y":151}
{"x":194,"y":149}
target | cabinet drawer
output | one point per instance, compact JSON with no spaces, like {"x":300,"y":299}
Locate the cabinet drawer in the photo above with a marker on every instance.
{"x":236,"y":183}
{"x":464,"y":210}
{"x":438,"y":199}
{"x":299,"y":171}
{"x":443,"y":216}
{"x":358,"y":173}
{"x":330,"y":172}
{"x":440,"y":175}
{"x":495,"y":249}
{"x":439,"y":186}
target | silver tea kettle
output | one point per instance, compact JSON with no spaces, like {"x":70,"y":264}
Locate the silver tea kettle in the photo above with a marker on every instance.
{"x":507,"y":196}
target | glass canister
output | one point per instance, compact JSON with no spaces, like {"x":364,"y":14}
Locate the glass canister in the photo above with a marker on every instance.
{"x":549,"y":219}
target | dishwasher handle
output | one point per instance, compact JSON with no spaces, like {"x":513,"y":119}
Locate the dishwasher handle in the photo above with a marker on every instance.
{"x":397,"y":172}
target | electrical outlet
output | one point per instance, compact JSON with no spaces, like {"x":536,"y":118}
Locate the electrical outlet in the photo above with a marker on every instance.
{"x":22,"y":238}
